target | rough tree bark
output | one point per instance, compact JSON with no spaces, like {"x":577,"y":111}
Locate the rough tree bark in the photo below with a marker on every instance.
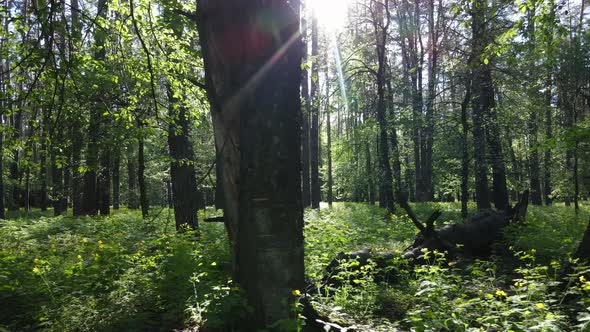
{"x":185,"y":196}
{"x":253,"y":77}
{"x":464,"y":145}
{"x":479,"y":99}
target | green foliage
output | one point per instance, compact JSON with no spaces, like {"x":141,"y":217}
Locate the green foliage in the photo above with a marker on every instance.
{"x":523,"y":291}
{"x":110,"y":274}
{"x":121,"y":273}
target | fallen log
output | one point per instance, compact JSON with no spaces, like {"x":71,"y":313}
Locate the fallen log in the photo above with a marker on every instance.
{"x":475,"y":238}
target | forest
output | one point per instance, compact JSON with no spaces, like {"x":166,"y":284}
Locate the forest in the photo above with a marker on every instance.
{"x":294,"y":165}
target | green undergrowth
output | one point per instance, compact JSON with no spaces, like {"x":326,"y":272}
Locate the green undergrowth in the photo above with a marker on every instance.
{"x":121,"y":273}
{"x":528,"y":288}
{"x":116,"y":273}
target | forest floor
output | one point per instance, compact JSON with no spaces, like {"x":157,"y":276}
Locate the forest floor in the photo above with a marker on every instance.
{"x":120,"y":273}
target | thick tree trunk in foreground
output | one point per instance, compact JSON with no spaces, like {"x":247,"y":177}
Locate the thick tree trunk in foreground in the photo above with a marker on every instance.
{"x":219,"y":196}
{"x":185,"y":197}
{"x":253,"y":78}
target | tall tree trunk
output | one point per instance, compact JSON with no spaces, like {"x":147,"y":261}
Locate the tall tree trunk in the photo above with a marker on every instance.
{"x":5,"y":107}
{"x":14,"y":201}
{"x":305,"y":110}
{"x":143,"y":199}
{"x":116,"y":178}
{"x":397,"y":169}
{"x":43,"y":202}
{"x":465,"y":149}
{"x":500,"y":194}
{"x":533,"y":126}
{"x":549,"y":68}
{"x":104,"y":182}
{"x":369,"y":174}
{"x":548,"y":136}
{"x":132,"y":199}
{"x":185,"y":196}
{"x":27,"y":200}
{"x":262,"y":181}
{"x":330,"y":194}
{"x":576,"y":179}
{"x":381,"y":21}
{"x":480,"y":102}
{"x":433,"y":31}
{"x":57,"y":185}
{"x":75,"y":131}
{"x":314,"y":133}
{"x":91,"y":195}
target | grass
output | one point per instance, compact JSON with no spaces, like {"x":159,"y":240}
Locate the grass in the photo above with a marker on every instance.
{"x":120,"y":273}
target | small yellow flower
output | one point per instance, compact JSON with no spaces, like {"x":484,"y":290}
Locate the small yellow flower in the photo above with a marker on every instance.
{"x":296,"y":292}
{"x":540,"y":305}
{"x":36,"y":270}
{"x":500,"y":293}
{"x":79,"y":257}
{"x":582,"y":279}
{"x":36,"y":260}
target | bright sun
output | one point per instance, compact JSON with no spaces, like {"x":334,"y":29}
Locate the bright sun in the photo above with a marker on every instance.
{"x":331,"y":14}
